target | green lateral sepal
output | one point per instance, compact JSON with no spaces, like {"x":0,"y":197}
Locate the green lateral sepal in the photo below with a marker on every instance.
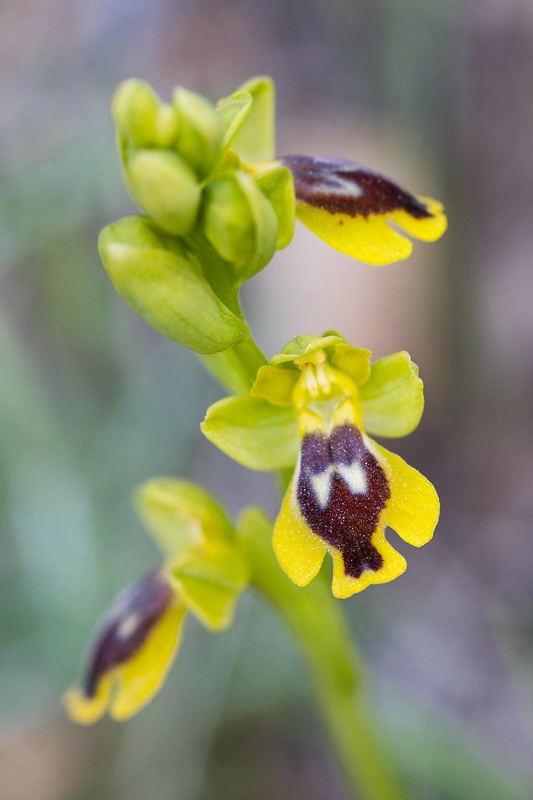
{"x":210,"y":583}
{"x":254,"y":432}
{"x":179,"y":515}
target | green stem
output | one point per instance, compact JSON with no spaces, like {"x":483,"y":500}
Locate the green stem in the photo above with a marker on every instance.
{"x":335,"y":667}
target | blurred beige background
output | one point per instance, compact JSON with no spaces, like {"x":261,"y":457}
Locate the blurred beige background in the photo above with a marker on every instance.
{"x":439,"y":95}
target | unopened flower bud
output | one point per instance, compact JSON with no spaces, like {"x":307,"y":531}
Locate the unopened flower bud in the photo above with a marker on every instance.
{"x":165,"y":187}
{"x":141,"y":118}
{"x":165,"y":285}
{"x":200,"y":130}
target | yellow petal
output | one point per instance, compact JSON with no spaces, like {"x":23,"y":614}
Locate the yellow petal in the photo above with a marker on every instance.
{"x":413,"y":508}
{"x":369,"y":239}
{"x":428,"y":228}
{"x":394,"y":564}
{"x":142,"y":677}
{"x":299,"y":551}
{"x":86,"y":710}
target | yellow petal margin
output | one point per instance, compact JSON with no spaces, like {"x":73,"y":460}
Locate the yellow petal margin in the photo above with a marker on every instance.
{"x":134,"y":683}
{"x":299,"y":551}
{"x":393,"y":565}
{"x":413,"y":508}
{"x":142,"y":677}
{"x":371,"y":239}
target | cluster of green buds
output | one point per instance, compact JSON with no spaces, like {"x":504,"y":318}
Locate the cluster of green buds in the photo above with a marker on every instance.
{"x":217,"y":204}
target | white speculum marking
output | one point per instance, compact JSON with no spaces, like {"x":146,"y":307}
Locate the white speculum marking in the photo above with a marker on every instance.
{"x":339,"y":185}
{"x":353,"y":476}
{"x":127,"y":626}
{"x":321,"y":484}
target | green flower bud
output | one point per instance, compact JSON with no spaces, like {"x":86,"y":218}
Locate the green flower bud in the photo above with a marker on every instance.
{"x":228,"y":221}
{"x":165,"y":285}
{"x":141,"y":118}
{"x":200,"y":130}
{"x":165,"y":187}
{"x":240,"y":223}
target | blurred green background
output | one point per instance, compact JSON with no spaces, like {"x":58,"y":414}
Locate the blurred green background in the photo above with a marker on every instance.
{"x":438,"y":94}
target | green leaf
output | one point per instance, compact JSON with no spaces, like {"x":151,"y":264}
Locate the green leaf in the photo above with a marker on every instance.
{"x":275,"y":385}
{"x":179,"y":514}
{"x":255,"y":138}
{"x":253,"y":432}
{"x":278,"y":187}
{"x":393,"y":396}
{"x":167,"y":288}
{"x":237,"y":367}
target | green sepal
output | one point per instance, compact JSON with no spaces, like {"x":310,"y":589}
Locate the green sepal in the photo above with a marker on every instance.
{"x":236,"y":367}
{"x":165,"y":187}
{"x":200,"y":130}
{"x":255,"y":139}
{"x":179,"y":515}
{"x":253,"y":432}
{"x":240,"y":223}
{"x":393,"y":396}
{"x":278,"y":186}
{"x":275,"y":385}
{"x":210,"y":584}
{"x":166,"y":287}
{"x":232,"y":112}
{"x":355,"y":361}
{"x":227,"y":219}
{"x":140,"y":116}
{"x":305,"y":345}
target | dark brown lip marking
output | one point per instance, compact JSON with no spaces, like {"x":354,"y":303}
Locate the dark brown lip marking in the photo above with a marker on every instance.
{"x":344,"y":187}
{"x":137,"y":610}
{"x":347,"y":520}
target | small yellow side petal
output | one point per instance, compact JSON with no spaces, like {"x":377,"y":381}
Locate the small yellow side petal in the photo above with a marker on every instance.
{"x":86,"y":710}
{"x":428,"y":229}
{"x":394,"y":564}
{"x":142,"y":677}
{"x":368,"y":239}
{"x":299,"y":551}
{"x":413,"y":508}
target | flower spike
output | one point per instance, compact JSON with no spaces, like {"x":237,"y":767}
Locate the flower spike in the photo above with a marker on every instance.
{"x":349,"y":206}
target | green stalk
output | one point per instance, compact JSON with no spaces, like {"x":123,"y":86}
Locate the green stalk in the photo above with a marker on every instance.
{"x":334,"y":665}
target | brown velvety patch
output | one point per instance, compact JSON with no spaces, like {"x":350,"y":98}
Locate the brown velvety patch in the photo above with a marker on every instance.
{"x":127,"y":626}
{"x":344,"y":187}
{"x":345,"y":518}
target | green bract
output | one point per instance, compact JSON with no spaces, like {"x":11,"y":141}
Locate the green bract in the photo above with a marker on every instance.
{"x":188,"y":165}
{"x":206,"y":564}
{"x":261,"y":430}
